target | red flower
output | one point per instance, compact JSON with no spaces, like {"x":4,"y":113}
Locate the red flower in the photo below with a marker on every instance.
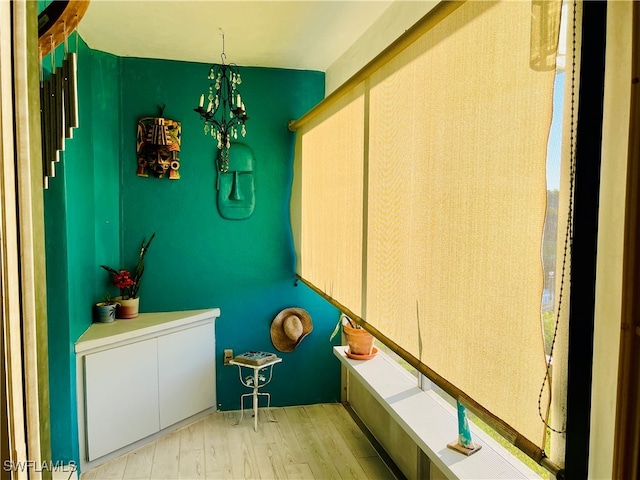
{"x":123,"y":279}
{"x":128,"y":283}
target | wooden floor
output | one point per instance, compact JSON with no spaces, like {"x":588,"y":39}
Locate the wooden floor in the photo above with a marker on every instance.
{"x":315,"y":441}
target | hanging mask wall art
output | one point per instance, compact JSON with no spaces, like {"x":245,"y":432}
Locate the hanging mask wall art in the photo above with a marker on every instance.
{"x":157,"y":147}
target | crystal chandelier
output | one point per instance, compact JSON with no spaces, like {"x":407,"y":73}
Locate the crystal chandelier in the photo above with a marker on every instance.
{"x":225,"y":114}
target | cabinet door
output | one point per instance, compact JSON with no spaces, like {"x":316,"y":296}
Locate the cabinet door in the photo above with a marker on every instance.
{"x":121,"y":395}
{"x":186,"y":366}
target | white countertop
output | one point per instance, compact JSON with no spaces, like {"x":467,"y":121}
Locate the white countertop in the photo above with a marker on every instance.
{"x":101,"y":334}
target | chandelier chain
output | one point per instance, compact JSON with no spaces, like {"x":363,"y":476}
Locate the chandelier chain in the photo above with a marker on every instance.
{"x":225,"y":114}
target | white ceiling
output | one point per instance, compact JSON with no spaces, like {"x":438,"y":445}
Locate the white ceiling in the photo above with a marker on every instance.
{"x":299,"y":34}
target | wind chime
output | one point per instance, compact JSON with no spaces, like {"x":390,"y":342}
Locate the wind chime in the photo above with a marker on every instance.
{"x":58,"y":110}
{"x":58,"y":93}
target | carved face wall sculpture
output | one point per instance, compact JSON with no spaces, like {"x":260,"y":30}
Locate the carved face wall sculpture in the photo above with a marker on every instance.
{"x":157,"y":147}
{"x":236,"y":188}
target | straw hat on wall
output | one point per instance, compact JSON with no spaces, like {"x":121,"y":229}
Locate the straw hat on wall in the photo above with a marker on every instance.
{"x":289,"y":327}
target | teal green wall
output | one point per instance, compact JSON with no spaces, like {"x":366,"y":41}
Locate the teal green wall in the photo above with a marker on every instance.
{"x":200,"y":260}
{"x":98,"y":211}
{"x":82,"y":226}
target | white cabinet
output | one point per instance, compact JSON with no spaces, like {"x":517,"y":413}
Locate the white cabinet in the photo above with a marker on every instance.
{"x":138,"y":377}
{"x":121,"y":391}
{"x":186,"y":377}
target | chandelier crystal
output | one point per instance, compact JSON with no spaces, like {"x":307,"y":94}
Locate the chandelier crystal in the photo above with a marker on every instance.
{"x":225,"y":114}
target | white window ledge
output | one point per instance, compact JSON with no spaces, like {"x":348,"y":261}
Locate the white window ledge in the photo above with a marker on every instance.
{"x":431,"y":422}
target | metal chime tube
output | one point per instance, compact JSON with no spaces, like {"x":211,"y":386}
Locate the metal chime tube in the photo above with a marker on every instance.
{"x":58,"y":109}
{"x":50,"y":103}
{"x":72,"y":89}
{"x":44,"y":112}
{"x":59,"y":101}
{"x":68,"y":133}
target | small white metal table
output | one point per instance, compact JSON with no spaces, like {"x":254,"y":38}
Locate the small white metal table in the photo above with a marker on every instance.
{"x":255,"y":382}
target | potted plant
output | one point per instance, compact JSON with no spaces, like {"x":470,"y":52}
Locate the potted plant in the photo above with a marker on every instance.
{"x":360,"y":341}
{"x":129,"y":284}
{"x":106,"y":310}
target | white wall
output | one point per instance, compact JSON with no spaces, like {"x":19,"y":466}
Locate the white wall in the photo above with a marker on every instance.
{"x":398,"y":18}
{"x":610,"y":238}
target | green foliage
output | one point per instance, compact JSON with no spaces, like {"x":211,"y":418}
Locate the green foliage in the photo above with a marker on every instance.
{"x":108,"y":299}
{"x":548,"y":327}
{"x":342,"y":320}
{"x":137,"y":276}
{"x":550,"y":236}
{"x":128,"y":284}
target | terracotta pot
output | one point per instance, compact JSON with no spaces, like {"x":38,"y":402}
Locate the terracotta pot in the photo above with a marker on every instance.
{"x":128,"y":308}
{"x":359,"y":340}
